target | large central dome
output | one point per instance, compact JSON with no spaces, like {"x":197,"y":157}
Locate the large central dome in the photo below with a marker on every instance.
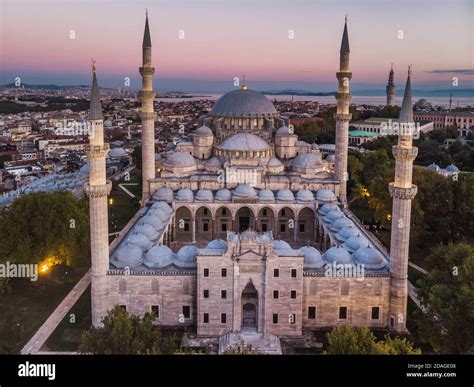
{"x":240,"y":103}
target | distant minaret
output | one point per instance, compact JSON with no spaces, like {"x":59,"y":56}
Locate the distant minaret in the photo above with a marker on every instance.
{"x":97,"y":189}
{"x":343,"y":116}
{"x":403,"y":192}
{"x":390,"y":88}
{"x":450,"y":100}
{"x":147,"y":115}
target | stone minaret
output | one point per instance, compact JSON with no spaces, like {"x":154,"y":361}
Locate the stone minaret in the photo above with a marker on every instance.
{"x":390,"y":88}
{"x":97,"y":189}
{"x":343,"y":116}
{"x":450,"y":101}
{"x":147,"y":115}
{"x":402,"y":191}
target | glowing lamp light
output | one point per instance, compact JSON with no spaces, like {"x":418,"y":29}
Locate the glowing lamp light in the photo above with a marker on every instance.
{"x":111,"y":201}
{"x":44,"y":268}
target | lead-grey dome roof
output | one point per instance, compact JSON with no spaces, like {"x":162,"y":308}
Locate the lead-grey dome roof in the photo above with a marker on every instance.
{"x":239,"y":103}
{"x":244,"y":142}
{"x":371,"y":258}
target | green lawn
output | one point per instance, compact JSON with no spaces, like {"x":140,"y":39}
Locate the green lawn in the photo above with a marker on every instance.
{"x":30,"y":304}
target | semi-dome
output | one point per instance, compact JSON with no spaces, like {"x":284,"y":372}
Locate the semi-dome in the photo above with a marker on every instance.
{"x":180,"y":159}
{"x":325,"y":195}
{"x":274,"y":163}
{"x":184,"y":195}
{"x":331,"y":216}
{"x":327,"y":207}
{"x":213,"y":164}
{"x":281,"y":245}
{"x":285,"y":195}
{"x":127,"y":255}
{"x":165,"y":194}
{"x":244,"y":142}
{"x":355,"y":243}
{"x":307,"y":160}
{"x":340,"y":223}
{"x":265,"y":195}
{"x":203,"y":131}
{"x":304,"y":195}
{"x":158,"y":256}
{"x":223,"y":195}
{"x":217,"y":244}
{"x":148,"y":231}
{"x":240,"y":103}
{"x":141,"y":240}
{"x":347,"y":232}
{"x":312,"y":258}
{"x":204,"y":195}
{"x":338,"y":255}
{"x":370,"y":257}
{"x":245,"y":191}
{"x":186,"y":256}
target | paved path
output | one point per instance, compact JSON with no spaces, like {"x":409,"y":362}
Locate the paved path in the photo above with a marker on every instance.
{"x":126,"y":190}
{"x":418,"y":268}
{"x":39,"y":338}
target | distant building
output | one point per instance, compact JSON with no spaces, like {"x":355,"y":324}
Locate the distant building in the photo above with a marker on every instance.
{"x":464,"y":121}
{"x":450,"y":170}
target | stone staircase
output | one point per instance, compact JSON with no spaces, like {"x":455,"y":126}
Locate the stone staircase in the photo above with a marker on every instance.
{"x":265,"y":344}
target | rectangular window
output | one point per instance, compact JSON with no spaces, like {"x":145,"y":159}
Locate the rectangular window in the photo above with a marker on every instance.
{"x":223,"y":227}
{"x":205,"y":227}
{"x":375,"y":313}
{"x":223,"y":293}
{"x":205,"y":318}
{"x":264,"y":212}
{"x":155,"y":311}
{"x":282,"y":227}
{"x":312,"y":312}
{"x":282,"y":212}
{"x":223,"y":272}
{"x":275,"y":318}
{"x":293,"y":294}
{"x":223,"y":318}
{"x":293,"y":273}
{"x":186,"y":226}
{"x":264,"y":227}
{"x":123,"y":307}
{"x":206,"y":272}
{"x":301,"y":227}
{"x":276,"y":272}
{"x":343,"y":313}
{"x":224,"y":211}
{"x":186,"y":311}
{"x":205,"y":211}
{"x":275,"y":294}
{"x":205,"y":293}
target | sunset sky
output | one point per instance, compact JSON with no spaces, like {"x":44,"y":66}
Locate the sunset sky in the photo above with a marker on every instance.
{"x":227,"y":38}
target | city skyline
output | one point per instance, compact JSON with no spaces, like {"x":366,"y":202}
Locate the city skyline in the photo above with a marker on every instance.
{"x":215,"y":49}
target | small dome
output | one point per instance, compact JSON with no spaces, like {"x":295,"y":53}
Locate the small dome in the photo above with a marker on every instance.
{"x":274,"y":163}
{"x":164,"y":194}
{"x":223,"y":195}
{"x":265,"y":195}
{"x":340,"y":223}
{"x":213,"y":163}
{"x":338,"y":255}
{"x":303,"y":143}
{"x":307,"y":160}
{"x":370,"y":257}
{"x":312,"y":258}
{"x":148,"y":231}
{"x":285,"y":195}
{"x":162,"y":206}
{"x":244,"y":142}
{"x":356,"y":242}
{"x":245,"y":191}
{"x":283,"y":131}
{"x":158,"y":256}
{"x":184,"y":195}
{"x":158,"y":157}
{"x":452,"y":168}
{"x":128,"y":255}
{"x":327,"y":207}
{"x":203,"y":131}
{"x":346,"y":232}
{"x":330,"y":158}
{"x":140,"y":240}
{"x":180,"y":159}
{"x":84,"y":169}
{"x":281,"y":245}
{"x":186,"y":256}
{"x":331,"y":216}
{"x":433,"y":167}
{"x":325,"y":195}
{"x":217,"y":244}
{"x":304,"y":195}
{"x":204,"y":195}
{"x":118,"y":153}
{"x":158,"y":213}
{"x":314,"y":146}
{"x":154,"y":221}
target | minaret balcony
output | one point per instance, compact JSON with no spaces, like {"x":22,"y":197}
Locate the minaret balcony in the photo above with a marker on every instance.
{"x":147,"y":116}
{"x":342,"y":117}
{"x":343,"y":74}
{"x":404,"y":154}
{"x":96,"y":151}
{"x":147,"y":71}
{"x":402,"y":193}
{"x":96,"y":191}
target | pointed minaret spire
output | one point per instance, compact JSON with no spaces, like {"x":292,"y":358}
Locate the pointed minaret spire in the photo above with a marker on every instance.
{"x":390,"y":89}
{"x":146,"y":34}
{"x":450,"y":101}
{"x":406,"y":112}
{"x":95,"y":112}
{"x":402,"y":191}
{"x":345,"y":39}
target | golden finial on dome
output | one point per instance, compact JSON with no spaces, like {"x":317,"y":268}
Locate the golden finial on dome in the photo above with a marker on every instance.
{"x":244,"y":86}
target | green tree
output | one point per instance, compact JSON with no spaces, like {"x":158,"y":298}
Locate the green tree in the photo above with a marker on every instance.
{"x":448,"y":294}
{"x":137,"y":157}
{"x":346,"y":340}
{"x":125,"y":334}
